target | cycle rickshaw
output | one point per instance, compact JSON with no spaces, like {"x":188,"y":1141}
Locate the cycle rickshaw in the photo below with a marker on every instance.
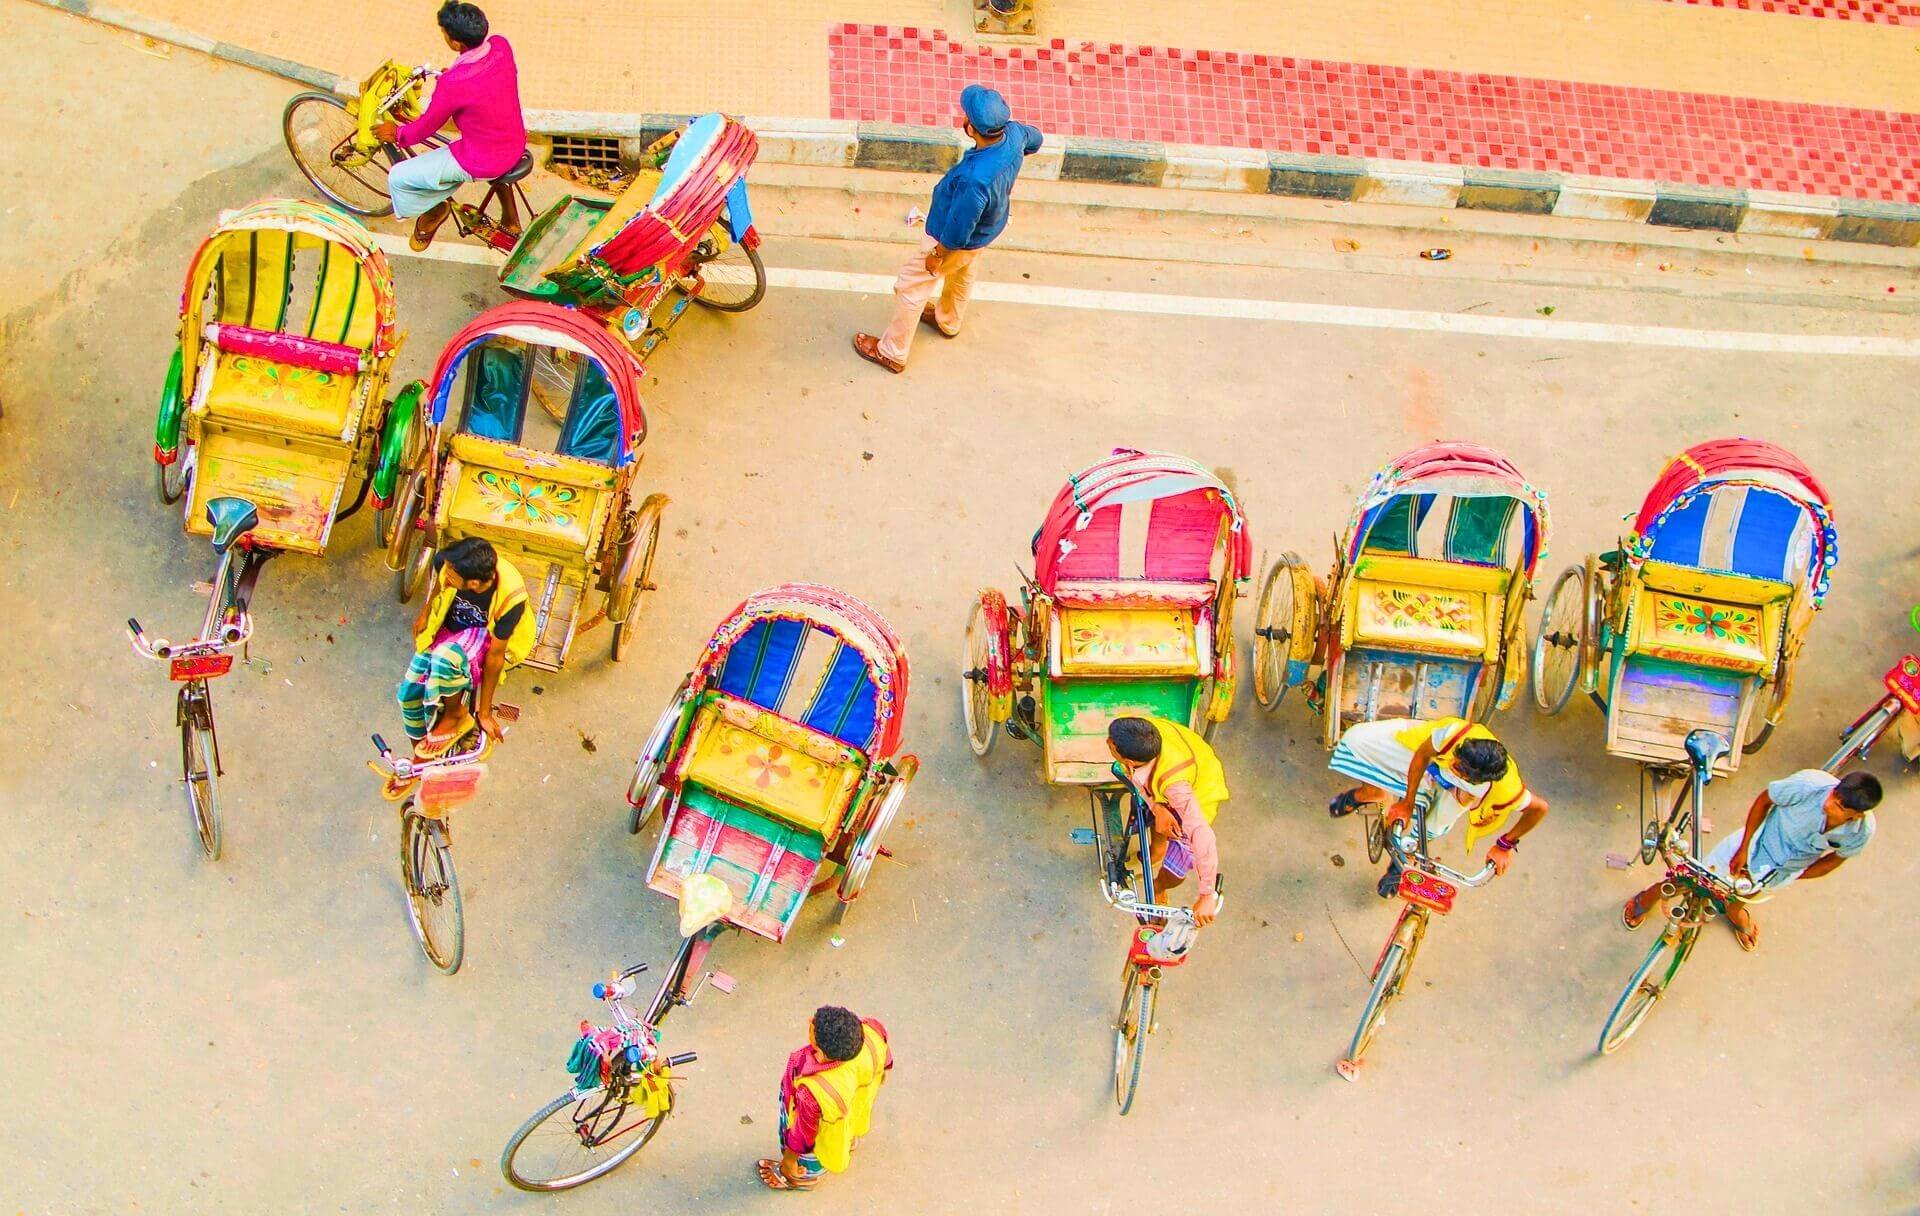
{"x":1128,"y":613}
{"x":555,"y":495}
{"x":1695,"y":621}
{"x":1423,"y":613}
{"x":776,"y":760}
{"x":273,"y":427}
{"x":683,"y":227}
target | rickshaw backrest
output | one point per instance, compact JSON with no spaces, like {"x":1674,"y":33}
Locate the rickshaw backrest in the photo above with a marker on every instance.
{"x":1175,"y":540}
{"x":760,"y":670}
{"x":496,"y":404}
{"x":1700,"y":618}
{"x":1476,"y":528}
{"x":1423,"y":605}
{"x":754,"y":756}
{"x":256,"y":290}
{"x":1740,"y":530}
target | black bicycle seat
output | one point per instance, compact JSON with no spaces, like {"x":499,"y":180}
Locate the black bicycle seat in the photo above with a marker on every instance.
{"x":520,"y":169}
{"x":231,"y":518}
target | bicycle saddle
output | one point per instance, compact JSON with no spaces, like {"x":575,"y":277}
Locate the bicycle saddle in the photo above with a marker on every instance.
{"x":231,"y":518}
{"x":1704,"y":747}
{"x":520,"y":169}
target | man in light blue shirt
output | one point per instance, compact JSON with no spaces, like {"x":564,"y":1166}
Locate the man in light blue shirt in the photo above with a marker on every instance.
{"x":1803,"y":826}
{"x":969,"y":209}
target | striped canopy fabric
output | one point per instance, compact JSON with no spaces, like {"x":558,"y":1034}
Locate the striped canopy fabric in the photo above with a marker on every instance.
{"x":1482,"y":483}
{"x":1141,"y":515}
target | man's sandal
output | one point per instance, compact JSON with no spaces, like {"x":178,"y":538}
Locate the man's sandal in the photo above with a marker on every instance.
{"x":1631,"y":921}
{"x":868,"y":347}
{"x":775,"y":1179}
{"x":1749,"y":939}
{"x":1343,"y":805}
{"x":927,"y":317}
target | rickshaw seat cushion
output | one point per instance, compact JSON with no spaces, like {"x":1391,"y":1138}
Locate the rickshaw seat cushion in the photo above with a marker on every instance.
{"x":1126,"y":641}
{"x":773,"y":764}
{"x":1424,"y":606}
{"x":272,"y":395}
{"x":1132,"y":593}
{"x":1700,"y":632}
{"x":291,"y":349}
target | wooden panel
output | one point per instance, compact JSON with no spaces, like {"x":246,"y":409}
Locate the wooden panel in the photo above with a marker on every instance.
{"x":1377,"y":684}
{"x":295,"y":483}
{"x":1074,"y":715}
{"x":766,"y":866}
{"x":1655,"y":705}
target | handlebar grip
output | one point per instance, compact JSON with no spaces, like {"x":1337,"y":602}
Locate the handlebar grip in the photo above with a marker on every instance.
{"x":134,"y":625}
{"x":380,"y":745}
{"x":1219,"y":884}
{"x":685,"y":1057}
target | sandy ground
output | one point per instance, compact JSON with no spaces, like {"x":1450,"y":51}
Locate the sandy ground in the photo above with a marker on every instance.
{"x":262,"y":1033}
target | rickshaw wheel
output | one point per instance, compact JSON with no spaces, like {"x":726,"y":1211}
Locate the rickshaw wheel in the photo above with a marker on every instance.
{"x":1202,"y":699}
{"x":554,"y":372}
{"x":644,"y":792}
{"x":1283,"y":621}
{"x":636,"y":572}
{"x":986,"y":660}
{"x":408,"y":553}
{"x":736,"y":262}
{"x":314,"y":124}
{"x":171,"y":480}
{"x":1561,"y":643}
{"x":866,"y":848}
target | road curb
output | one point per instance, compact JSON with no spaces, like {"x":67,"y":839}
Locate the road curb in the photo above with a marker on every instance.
{"x":913,"y":149}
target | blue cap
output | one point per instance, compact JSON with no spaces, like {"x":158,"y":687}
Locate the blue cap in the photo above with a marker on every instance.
{"x":985,"y":109}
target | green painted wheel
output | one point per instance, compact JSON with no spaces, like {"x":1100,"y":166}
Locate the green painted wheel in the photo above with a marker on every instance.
{"x":171,"y":480}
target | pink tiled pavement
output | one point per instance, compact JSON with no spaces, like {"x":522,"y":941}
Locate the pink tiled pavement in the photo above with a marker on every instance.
{"x":1878,"y":12}
{"x":914,"y":75}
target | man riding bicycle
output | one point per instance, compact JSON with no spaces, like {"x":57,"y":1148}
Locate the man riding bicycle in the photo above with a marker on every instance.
{"x":1458,"y":768}
{"x":1182,"y":781}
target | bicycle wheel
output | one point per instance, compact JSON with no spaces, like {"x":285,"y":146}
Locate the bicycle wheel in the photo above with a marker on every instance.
{"x":1130,"y":1038}
{"x":976,"y":697}
{"x":572,"y":1140}
{"x":200,"y":771}
{"x":1648,"y":985}
{"x":1389,"y":978}
{"x":319,"y":134}
{"x":1376,"y":838}
{"x":433,"y":892}
{"x":732,"y":276}
{"x":1285,"y":611}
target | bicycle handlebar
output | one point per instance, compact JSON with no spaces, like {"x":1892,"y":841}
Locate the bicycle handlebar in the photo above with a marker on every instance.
{"x":1129,"y":903}
{"x":407,"y":768}
{"x":1405,"y":852}
{"x":233,"y":633}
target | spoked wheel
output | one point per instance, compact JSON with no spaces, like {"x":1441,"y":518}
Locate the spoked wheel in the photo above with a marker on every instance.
{"x":1561,"y":645}
{"x":1281,"y":626}
{"x":408,"y":554}
{"x":1130,"y":1038}
{"x":433,"y":891}
{"x":319,"y":134}
{"x":1389,"y":980}
{"x":1759,"y":726}
{"x":635,"y":575}
{"x":866,"y":848}
{"x":554,"y":374}
{"x":572,"y":1140}
{"x":732,"y":276}
{"x":1677,"y":812}
{"x":170,"y":480}
{"x":985,"y":662}
{"x":644,"y":792}
{"x":1647,"y":986}
{"x":1376,"y":829}
{"x":200,"y":773}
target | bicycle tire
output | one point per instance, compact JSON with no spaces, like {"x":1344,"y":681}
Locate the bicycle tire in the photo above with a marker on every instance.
{"x":431,"y":885}
{"x":1388,"y":980}
{"x":725,"y":258}
{"x":1641,"y":994}
{"x":511,"y":1154}
{"x":1376,"y":831}
{"x":170,"y":480}
{"x":200,"y":766}
{"x":368,"y":195}
{"x":1130,"y":1042}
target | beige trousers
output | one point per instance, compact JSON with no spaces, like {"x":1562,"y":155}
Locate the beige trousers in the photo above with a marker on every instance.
{"x":915,"y":287}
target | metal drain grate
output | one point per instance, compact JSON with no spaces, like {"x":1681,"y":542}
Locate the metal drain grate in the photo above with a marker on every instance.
{"x":586,"y":152}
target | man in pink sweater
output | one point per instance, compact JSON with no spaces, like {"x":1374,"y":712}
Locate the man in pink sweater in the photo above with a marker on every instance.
{"x":480,"y":94}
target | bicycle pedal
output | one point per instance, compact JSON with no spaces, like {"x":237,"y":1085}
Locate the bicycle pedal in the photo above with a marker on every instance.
{"x":506,"y":712}
{"x":1083,"y":836}
{"x":1348,"y":1069}
{"x":722,"y":982}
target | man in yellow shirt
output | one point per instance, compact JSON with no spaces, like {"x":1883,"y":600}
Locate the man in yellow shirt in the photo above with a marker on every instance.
{"x":1183,"y":783}
{"x":476,"y":622}
{"x":1452,"y":767}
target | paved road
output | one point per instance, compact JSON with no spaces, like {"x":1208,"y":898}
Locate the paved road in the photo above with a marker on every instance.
{"x":262,"y":1033}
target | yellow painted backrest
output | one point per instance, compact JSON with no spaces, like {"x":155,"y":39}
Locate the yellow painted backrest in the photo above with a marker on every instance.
{"x":771,"y":764}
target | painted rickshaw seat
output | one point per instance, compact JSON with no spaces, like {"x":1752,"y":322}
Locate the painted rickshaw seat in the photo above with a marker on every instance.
{"x":1425,"y":606}
{"x":1129,"y":641}
{"x":772,"y":764}
{"x":230,"y":518}
{"x":1704,"y":618}
{"x":522,"y":497}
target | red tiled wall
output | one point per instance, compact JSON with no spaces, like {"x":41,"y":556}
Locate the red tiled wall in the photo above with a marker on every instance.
{"x":1879,"y":12}
{"x":1311,"y":105}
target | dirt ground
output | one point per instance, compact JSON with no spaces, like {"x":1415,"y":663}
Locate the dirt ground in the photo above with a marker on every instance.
{"x":261,"y":1033}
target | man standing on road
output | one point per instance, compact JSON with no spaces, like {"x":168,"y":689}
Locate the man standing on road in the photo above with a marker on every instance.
{"x":1802,"y":826}
{"x":826,"y":1097}
{"x":1184,"y":783}
{"x":968,"y":211}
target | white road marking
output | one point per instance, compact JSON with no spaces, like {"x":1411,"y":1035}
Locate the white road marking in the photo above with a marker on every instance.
{"x":1287,"y":312}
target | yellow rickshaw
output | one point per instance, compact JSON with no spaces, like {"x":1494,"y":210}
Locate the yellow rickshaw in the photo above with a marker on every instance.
{"x":552,"y":490}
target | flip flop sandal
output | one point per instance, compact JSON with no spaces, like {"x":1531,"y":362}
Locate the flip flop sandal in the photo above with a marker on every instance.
{"x":1749,"y":939}
{"x":1344,"y":804}
{"x":1631,"y":921}
{"x":391,"y":787}
{"x":773,"y":1179}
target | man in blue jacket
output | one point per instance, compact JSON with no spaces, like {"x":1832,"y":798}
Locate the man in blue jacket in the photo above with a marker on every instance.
{"x":968,"y":211}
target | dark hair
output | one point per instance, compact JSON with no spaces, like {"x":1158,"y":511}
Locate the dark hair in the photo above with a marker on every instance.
{"x":471,"y":558}
{"x":1859,"y":791}
{"x":837,"y":1032}
{"x":1481,"y":760}
{"x":1135,"y":739}
{"x":464,"y":23}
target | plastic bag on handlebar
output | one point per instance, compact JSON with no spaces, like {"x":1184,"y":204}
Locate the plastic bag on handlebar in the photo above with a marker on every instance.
{"x":586,"y":1063}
